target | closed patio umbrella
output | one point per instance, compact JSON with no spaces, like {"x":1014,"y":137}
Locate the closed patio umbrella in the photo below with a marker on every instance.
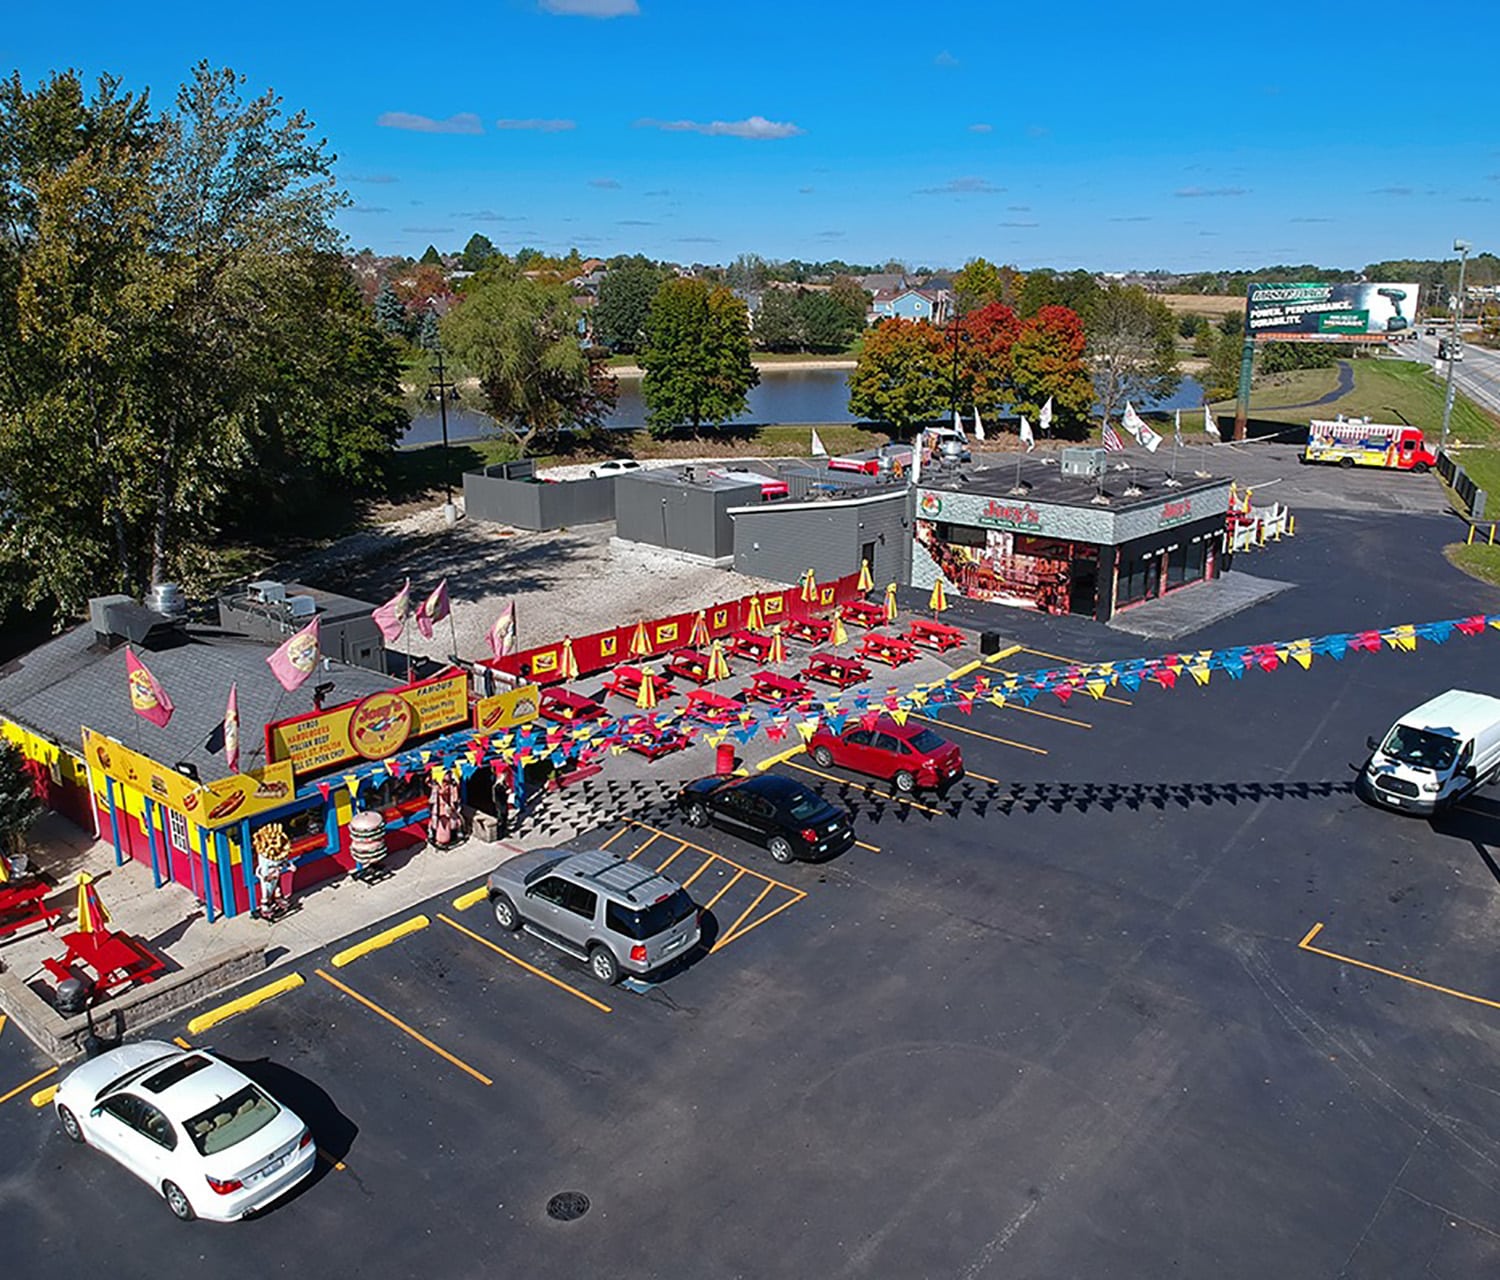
{"x":777,"y":654}
{"x":938,"y":601}
{"x":866,"y":578}
{"x":753,"y":619}
{"x":646,"y":697}
{"x":92,"y":916}
{"x":699,"y":637}
{"x":809,"y":587}
{"x":718,"y":667}
{"x":568,"y":663}
{"x":890,"y":603}
{"x":640,"y":646}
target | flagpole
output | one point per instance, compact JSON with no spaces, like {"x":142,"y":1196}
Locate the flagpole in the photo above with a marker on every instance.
{"x":453,"y":630}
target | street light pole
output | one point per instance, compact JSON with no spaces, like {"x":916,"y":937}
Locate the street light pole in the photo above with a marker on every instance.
{"x":441,"y":389}
{"x":1455,"y":343}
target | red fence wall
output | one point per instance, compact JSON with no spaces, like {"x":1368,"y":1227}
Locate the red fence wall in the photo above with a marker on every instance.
{"x":606,"y":649}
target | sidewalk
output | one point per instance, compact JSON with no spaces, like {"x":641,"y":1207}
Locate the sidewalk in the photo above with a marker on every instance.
{"x":1184,"y":612}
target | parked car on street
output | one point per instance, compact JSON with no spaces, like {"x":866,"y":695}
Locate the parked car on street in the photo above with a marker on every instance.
{"x":203,"y":1135}
{"x":617,"y":916}
{"x":613,"y":467}
{"x":789,"y":819}
{"x":906,"y":755}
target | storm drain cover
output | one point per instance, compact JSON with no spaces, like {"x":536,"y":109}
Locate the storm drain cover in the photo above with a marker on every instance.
{"x":565,"y":1206}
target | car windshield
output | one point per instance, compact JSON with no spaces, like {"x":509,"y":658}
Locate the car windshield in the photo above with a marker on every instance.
{"x":924,"y":740}
{"x":646,"y":922}
{"x":231,"y":1121}
{"x":1421,"y":748}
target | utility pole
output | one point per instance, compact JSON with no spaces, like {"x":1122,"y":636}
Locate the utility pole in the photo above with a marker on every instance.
{"x":442,"y":390}
{"x":1455,"y":344}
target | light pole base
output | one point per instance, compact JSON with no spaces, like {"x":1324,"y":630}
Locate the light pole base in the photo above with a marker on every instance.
{"x":450,"y":514}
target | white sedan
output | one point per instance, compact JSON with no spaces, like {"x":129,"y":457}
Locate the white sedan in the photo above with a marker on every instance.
{"x":613,"y":467}
{"x":205,"y":1136}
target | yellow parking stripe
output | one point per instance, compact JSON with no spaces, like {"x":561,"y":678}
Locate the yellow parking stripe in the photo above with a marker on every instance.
{"x":733,"y":880}
{"x":646,"y":826}
{"x":631,"y":857}
{"x":729,"y":933}
{"x":988,"y":737}
{"x":1072,"y":662}
{"x":411,"y":1031}
{"x":240,"y":1004}
{"x":616,"y":836}
{"x":712,"y":858}
{"x":899,"y":799}
{"x":1306,"y":945}
{"x":21,"y":1088}
{"x":681,"y":848}
{"x":532,"y":969}
{"x":756,"y":924}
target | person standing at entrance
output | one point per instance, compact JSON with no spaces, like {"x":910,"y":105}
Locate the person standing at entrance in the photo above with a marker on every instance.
{"x":500,"y":793}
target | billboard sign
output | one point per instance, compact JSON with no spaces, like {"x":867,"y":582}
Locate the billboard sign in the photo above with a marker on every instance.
{"x":1330,"y":312}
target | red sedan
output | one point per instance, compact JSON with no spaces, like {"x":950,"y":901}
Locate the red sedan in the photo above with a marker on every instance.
{"x":908,"y":755}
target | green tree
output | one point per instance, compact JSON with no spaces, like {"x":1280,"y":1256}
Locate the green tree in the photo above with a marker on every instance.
{"x":903,"y":375}
{"x":779,"y":322}
{"x":829,"y":323}
{"x":520,"y":338}
{"x":390,"y":315}
{"x":477,"y":252}
{"x":432,"y":258}
{"x":1221,"y":380}
{"x":1189,"y":325}
{"x":19,"y":805}
{"x":1283,"y":357}
{"x":1132,"y":347}
{"x":696,"y":357}
{"x":1049,"y":362}
{"x":1042,"y":288}
{"x":625,"y":296}
{"x":1204,"y":339}
{"x":429,"y":336}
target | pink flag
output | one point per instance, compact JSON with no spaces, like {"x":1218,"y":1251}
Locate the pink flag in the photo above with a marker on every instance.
{"x":232,"y":730}
{"x":433,"y":609}
{"x":297,"y":658}
{"x":502,"y":634}
{"x":392,"y":615}
{"x":147,"y":697}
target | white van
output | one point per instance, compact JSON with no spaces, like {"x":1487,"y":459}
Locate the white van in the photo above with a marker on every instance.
{"x":1437,"y":753}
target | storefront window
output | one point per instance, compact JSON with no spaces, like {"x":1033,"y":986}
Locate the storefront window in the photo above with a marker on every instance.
{"x":1139,"y":580}
{"x":1186,"y":564}
{"x":304,"y":823}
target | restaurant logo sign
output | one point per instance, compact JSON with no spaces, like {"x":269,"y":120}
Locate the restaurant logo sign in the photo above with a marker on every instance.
{"x":1010,"y":515}
{"x":931,"y":504}
{"x":1175,"y":513}
{"x":379,"y":724}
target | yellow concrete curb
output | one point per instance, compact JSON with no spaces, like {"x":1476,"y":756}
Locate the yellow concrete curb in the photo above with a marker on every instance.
{"x":964,"y":670}
{"x":475,"y":896}
{"x":1005,"y":653}
{"x":42,"y":1097}
{"x":785,"y":755}
{"x":350,"y":954}
{"x":240,"y":1004}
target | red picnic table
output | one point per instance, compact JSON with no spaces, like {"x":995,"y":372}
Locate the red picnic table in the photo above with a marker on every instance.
{"x":24,"y":904}
{"x":834,"y":670}
{"x":776,"y":689}
{"x":891,"y":650}
{"x":810,"y":630}
{"x":658,"y":742}
{"x":750,"y":644}
{"x":690,"y":664}
{"x":626,"y":681}
{"x":562,"y":706}
{"x":708,"y":707}
{"x":934,"y":635}
{"x":863,"y":613}
{"x":115,"y":958}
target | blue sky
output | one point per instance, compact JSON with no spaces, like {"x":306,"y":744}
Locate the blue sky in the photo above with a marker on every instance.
{"x":1107,"y":136}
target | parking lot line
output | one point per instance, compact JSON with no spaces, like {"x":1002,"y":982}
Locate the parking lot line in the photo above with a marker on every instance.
{"x":616,"y":836}
{"x":1306,"y":945}
{"x":976,"y":733}
{"x":1072,"y":662}
{"x":728,"y":935}
{"x":411,"y":1031}
{"x":756,"y":924}
{"x":707,"y":863}
{"x":21,"y":1088}
{"x":733,"y":880}
{"x":631,"y":857}
{"x":532,"y":969}
{"x":672,"y":857}
{"x":899,"y":799}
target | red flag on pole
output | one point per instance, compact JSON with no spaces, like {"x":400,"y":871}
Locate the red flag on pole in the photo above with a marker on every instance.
{"x":392,"y":615}
{"x":232,"y":730}
{"x":433,"y":609}
{"x":297,"y":658}
{"x":147,"y":697}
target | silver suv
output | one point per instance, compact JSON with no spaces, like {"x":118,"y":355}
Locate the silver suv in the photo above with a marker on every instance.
{"x":617,"y":916}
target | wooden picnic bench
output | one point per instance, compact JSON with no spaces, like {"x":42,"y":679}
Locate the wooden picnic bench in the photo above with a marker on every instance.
{"x":891,"y":650}
{"x":707,"y":707}
{"x":561,"y":706}
{"x":24,"y":904}
{"x":115,"y":958}
{"x":863,"y":613}
{"x":626,"y":681}
{"x":775,"y":689}
{"x":810,"y":630}
{"x":750,"y":644}
{"x":829,"y":668}
{"x":934,"y":635}
{"x":690,"y":664}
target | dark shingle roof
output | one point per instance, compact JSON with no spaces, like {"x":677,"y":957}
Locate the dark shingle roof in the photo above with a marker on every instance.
{"x":70,"y":682}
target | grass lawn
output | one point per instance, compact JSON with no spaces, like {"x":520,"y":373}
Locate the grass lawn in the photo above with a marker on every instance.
{"x":1479,"y":561}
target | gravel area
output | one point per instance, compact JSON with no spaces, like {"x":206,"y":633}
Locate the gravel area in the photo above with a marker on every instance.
{"x":564,"y":582}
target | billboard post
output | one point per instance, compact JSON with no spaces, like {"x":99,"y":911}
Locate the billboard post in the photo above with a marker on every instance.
{"x":1247,"y":365}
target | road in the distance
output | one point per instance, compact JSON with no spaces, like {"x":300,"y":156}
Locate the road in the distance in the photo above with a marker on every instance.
{"x":1477,"y":375}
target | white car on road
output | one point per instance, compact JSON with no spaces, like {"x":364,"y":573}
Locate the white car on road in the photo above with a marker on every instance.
{"x":206,"y":1137}
{"x":613,"y":467}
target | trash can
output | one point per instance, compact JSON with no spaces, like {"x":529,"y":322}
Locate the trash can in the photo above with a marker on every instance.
{"x":989,"y":643}
{"x":724,"y":759}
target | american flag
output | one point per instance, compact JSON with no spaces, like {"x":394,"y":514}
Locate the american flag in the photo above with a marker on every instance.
{"x":1112,"y":442}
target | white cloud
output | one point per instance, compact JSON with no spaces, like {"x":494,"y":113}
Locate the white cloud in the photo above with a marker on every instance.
{"x":591,"y":8}
{"x":756,"y":127}
{"x":945,"y":59}
{"x":540,"y":126}
{"x":604,"y":184}
{"x":463,"y":122}
{"x":981,"y":128}
{"x":1194,"y":193}
{"x":962,"y":187}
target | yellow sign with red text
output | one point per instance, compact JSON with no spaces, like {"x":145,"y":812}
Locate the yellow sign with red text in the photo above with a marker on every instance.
{"x":508,"y":709}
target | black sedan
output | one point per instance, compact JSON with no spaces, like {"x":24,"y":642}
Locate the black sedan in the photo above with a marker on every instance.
{"x":791,"y":820}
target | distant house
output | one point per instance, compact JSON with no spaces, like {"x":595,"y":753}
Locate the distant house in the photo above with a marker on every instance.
{"x":932,"y":305}
{"x":884,"y":282}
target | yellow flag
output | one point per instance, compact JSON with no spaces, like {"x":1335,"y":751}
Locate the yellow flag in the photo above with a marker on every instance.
{"x":899,"y":715}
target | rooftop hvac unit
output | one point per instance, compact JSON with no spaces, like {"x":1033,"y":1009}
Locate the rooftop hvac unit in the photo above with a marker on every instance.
{"x":302,"y":606}
{"x":268,"y":592}
{"x":1088,"y":463}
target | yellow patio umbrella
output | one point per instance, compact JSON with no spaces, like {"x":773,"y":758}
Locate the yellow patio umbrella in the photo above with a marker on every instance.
{"x":699,"y":637}
{"x":646,"y":698}
{"x":4,"y":869}
{"x":890,"y":603}
{"x":92,"y":917}
{"x":777,"y":654}
{"x":640,"y":646}
{"x":838,"y":635}
{"x":718,"y":665}
{"x":753,"y":620}
{"x":938,"y":601}
{"x":866,"y":578}
{"x":568,"y":664}
{"x":810,"y":587}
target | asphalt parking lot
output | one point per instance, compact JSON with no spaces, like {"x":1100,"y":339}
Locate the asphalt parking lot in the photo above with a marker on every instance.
{"x":1074,"y":1017}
